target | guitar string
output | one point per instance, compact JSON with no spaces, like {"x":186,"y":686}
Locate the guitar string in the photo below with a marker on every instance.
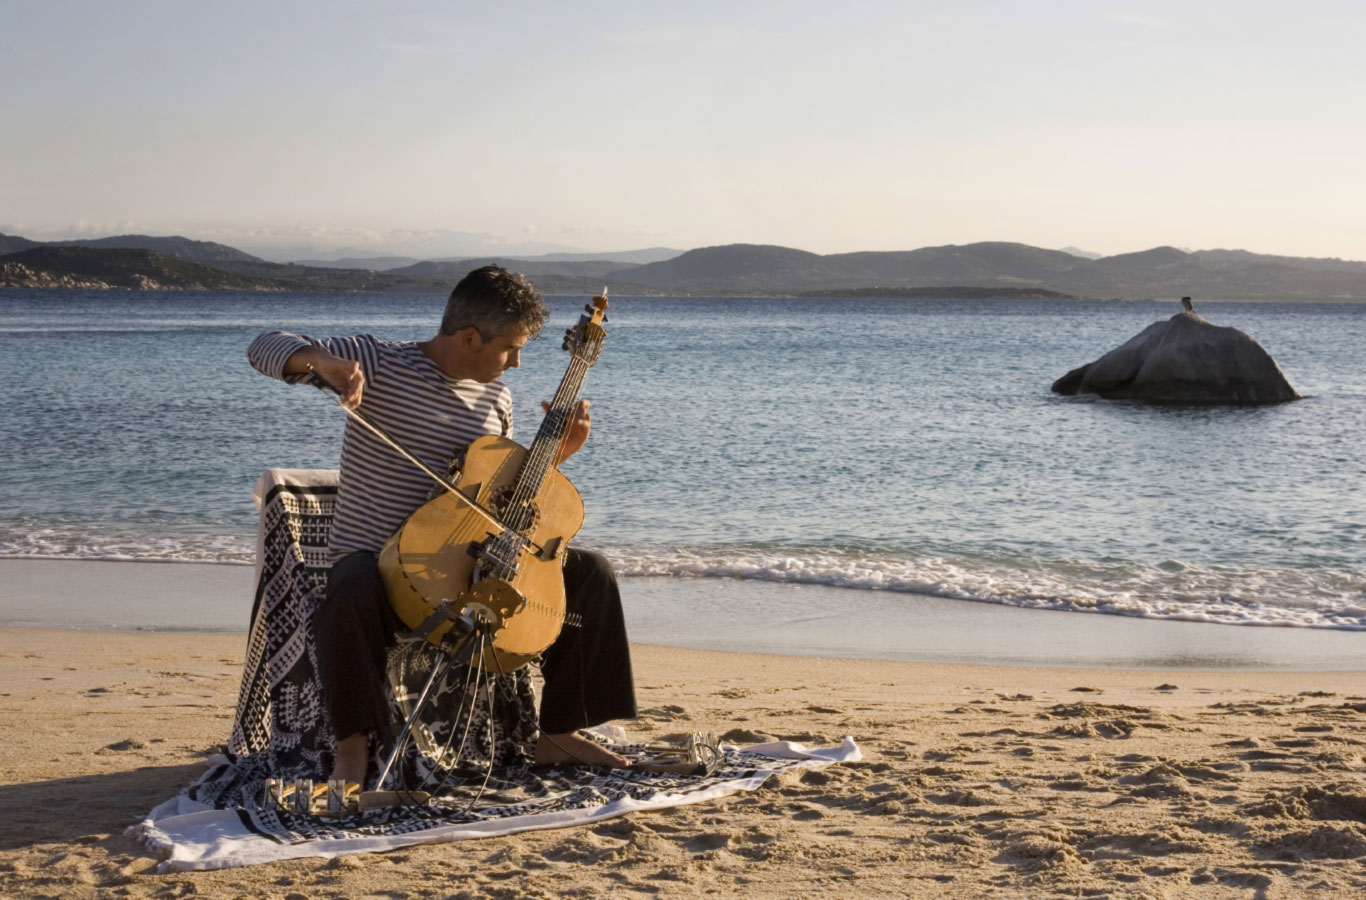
{"x":537,"y":465}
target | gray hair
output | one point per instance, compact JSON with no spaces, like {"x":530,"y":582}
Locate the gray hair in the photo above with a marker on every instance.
{"x":492,"y":300}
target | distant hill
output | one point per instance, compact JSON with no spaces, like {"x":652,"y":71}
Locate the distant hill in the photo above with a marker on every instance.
{"x":614,"y":260}
{"x":372,"y":263}
{"x":638,"y":257}
{"x":47,"y":266}
{"x":178,"y":247}
{"x":989,"y":268}
{"x":453,"y":271}
{"x":948,"y":293}
{"x":981,"y":263}
{"x":11,"y":244}
{"x":293,"y":277}
{"x":91,"y":267}
{"x":749,"y":268}
{"x":1158,"y":272}
{"x":743,"y":268}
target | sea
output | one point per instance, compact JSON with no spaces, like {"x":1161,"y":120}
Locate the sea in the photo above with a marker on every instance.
{"x":878,"y":448}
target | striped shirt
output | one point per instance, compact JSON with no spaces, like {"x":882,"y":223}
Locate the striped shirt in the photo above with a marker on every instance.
{"x":431,"y":414}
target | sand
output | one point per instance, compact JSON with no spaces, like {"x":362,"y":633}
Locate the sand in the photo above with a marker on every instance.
{"x":979,"y":781}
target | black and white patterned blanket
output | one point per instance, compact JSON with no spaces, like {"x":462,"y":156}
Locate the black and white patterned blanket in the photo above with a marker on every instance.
{"x":471,"y":749}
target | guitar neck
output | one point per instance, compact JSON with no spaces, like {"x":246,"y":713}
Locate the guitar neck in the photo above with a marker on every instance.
{"x":550,"y":436}
{"x":584,"y":342}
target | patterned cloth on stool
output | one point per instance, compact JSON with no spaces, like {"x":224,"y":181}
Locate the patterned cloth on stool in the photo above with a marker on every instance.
{"x":281,"y":729}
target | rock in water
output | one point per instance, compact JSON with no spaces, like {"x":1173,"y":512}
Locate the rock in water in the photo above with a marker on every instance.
{"x":1183,"y":360}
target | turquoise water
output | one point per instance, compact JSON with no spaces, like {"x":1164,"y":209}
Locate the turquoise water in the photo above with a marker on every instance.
{"x":904,"y":446}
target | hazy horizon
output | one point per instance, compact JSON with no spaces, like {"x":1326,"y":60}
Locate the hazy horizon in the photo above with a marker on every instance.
{"x":315,"y":254}
{"x":424,"y":129}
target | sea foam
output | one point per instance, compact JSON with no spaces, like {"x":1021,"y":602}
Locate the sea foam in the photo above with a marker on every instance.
{"x":1312,"y":598}
{"x":1318,"y":598}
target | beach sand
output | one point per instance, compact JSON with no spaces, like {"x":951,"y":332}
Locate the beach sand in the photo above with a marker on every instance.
{"x":978,"y":781}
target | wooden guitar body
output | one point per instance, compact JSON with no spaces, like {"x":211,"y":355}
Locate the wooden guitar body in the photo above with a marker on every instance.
{"x":433,"y":556}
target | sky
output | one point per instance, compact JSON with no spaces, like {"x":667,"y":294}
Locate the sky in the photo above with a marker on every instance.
{"x":425,"y":128}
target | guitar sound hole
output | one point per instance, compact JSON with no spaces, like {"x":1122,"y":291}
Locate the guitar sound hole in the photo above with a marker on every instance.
{"x":521,"y":516}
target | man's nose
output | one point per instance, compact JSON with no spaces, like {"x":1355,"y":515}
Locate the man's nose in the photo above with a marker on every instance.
{"x":515,"y":359}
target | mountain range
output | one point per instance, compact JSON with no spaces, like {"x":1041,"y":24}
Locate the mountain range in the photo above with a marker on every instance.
{"x":389,"y":263}
{"x":980,"y":269}
{"x":179,"y":247}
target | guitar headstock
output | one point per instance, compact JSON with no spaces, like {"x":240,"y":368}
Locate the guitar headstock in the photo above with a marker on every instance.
{"x":584,"y":340}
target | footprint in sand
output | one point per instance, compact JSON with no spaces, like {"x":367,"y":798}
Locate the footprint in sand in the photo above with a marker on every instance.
{"x":1293,"y":743}
{"x":1242,"y":743}
{"x":1141,"y":845}
{"x":745,"y":736}
{"x":1339,"y":802}
{"x":122,"y":746}
{"x":665,"y":713}
{"x":1039,"y":854}
{"x":707,"y":841}
{"x":1324,"y":842}
{"x":960,"y":798}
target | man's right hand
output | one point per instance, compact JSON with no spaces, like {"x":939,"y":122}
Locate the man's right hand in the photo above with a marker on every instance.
{"x":344,"y":375}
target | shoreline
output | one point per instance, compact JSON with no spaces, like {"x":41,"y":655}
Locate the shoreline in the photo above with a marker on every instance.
{"x":719,"y":614}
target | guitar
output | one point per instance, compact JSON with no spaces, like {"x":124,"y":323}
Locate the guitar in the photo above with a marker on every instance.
{"x":503,"y":559}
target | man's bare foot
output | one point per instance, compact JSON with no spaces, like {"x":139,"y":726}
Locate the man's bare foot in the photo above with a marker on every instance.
{"x":353,"y":758}
{"x":552,"y":749}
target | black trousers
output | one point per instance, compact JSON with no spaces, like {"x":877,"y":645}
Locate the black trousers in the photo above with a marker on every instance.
{"x":587,"y":669}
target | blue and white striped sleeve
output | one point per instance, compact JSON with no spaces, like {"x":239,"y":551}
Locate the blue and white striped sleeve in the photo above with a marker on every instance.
{"x":271,"y":350}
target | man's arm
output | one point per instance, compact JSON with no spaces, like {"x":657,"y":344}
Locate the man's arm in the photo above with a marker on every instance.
{"x":290,"y":357}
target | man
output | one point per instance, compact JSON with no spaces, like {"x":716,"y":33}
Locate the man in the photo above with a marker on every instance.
{"x":435,"y":397}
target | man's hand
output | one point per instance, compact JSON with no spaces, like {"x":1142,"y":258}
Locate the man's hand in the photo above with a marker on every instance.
{"x":344,"y":375}
{"x":577,"y":433}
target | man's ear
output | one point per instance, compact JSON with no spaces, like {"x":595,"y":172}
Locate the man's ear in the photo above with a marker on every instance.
{"x":469,"y":339}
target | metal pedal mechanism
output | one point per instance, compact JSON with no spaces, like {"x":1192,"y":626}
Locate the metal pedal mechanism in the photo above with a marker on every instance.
{"x":334,"y":799}
{"x":695,"y":754}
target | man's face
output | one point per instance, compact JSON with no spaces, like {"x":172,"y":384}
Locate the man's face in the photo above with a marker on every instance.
{"x":491,"y":358}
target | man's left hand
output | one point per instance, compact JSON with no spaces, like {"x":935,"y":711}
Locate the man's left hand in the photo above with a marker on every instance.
{"x":577,"y":433}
